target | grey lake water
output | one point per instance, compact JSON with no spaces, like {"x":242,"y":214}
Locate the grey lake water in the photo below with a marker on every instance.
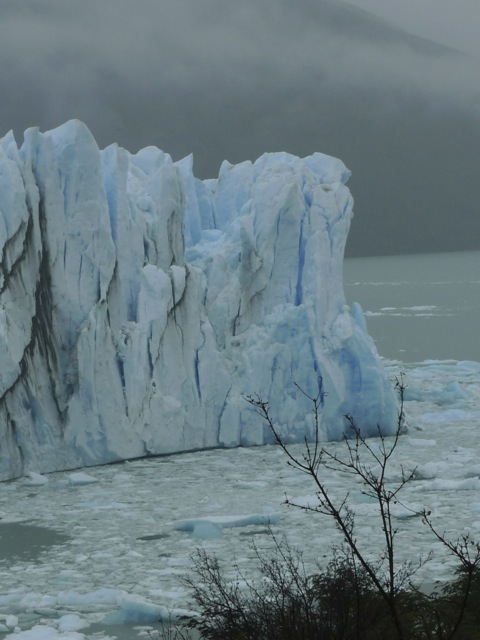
{"x":71,"y":556}
{"x":419,"y":307}
{"x":26,"y":542}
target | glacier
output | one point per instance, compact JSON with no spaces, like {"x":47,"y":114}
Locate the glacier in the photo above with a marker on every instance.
{"x":139,"y":305}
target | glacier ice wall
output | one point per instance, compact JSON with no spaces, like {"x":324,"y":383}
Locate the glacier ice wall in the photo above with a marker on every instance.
{"x":139,"y":305}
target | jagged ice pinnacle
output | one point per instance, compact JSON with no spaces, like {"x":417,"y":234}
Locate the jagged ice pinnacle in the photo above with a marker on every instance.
{"x":139,"y":305}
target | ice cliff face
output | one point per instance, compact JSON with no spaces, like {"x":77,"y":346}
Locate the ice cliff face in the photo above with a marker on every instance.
{"x":138,"y":305}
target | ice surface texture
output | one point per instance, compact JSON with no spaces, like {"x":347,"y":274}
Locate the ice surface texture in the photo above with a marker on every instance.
{"x":138,"y":305}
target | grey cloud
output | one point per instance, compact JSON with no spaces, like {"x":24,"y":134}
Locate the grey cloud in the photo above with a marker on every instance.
{"x":232,"y":80}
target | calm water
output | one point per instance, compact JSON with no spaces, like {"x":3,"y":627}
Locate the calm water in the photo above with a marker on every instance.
{"x":24,"y":542}
{"x":419,"y":307}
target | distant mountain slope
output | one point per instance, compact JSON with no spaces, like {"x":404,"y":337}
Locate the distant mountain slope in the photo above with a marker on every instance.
{"x":233,"y":80}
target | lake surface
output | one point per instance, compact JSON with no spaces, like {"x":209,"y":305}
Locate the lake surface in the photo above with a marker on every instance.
{"x":419,"y":307}
{"x":21,"y":541}
{"x":74,"y":555}
{"x":120,"y":550}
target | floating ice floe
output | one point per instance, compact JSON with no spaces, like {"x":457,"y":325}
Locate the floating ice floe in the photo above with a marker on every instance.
{"x":137,"y":610}
{"x":43,"y":632}
{"x":35,"y":479}
{"x":80,"y":479}
{"x":470,"y":484}
{"x":210,"y":526}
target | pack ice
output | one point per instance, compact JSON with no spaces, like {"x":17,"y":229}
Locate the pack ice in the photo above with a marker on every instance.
{"x":139,"y":305}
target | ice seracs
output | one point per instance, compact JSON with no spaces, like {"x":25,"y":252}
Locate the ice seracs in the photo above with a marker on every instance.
{"x":138,"y":305}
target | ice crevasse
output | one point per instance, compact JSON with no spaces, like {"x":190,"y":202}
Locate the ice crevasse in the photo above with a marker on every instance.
{"x":140,"y":305}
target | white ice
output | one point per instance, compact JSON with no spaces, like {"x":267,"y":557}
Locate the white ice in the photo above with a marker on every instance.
{"x":79,"y":479}
{"x":138,"y":305}
{"x":211,"y":526}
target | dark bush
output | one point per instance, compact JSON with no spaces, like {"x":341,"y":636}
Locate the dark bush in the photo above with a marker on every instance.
{"x":338,"y":603}
{"x":354,"y":598}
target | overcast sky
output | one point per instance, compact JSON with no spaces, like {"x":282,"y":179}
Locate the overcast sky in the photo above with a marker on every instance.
{"x":452,"y":22}
{"x":391,"y":88}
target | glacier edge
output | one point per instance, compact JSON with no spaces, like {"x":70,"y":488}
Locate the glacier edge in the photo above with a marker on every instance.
{"x":138,"y":304}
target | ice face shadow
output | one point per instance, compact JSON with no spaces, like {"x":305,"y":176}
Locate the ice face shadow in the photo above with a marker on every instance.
{"x":21,"y":541}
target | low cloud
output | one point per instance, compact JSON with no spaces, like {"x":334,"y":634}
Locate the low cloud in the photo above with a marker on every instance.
{"x":232,"y":80}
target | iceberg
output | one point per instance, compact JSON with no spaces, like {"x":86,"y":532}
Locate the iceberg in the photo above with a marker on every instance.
{"x":140,"y":305}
